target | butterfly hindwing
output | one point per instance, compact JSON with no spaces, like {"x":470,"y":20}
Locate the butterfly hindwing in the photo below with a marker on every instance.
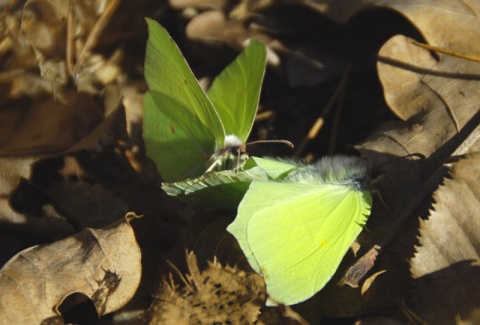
{"x":297,"y":234}
{"x":275,"y":168}
{"x":255,"y":199}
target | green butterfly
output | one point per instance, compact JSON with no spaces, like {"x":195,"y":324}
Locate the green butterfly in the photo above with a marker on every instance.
{"x":187,"y":132}
{"x":296,"y":230}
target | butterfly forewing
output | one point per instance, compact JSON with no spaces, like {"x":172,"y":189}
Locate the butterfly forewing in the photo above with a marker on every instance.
{"x":167,"y":72}
{"x":175,"y":139}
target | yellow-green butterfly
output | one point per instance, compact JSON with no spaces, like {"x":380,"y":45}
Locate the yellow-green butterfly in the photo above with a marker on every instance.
{"x":185,"y":131}
{"x":295,"y":231}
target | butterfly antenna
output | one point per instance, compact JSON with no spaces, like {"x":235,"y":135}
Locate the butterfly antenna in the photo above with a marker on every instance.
{"x":242,"y":149}
{"x":378,"y":178}
{"x":415,"y":154}
{"x":286,"y":142}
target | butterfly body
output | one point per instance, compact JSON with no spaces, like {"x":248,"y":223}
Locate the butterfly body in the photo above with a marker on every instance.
{"x":338,"y":170}
{"x":295,"y":231}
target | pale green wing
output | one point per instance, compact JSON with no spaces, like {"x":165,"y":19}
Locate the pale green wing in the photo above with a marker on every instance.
{"x":298,"y":241}
{"x":167,"y":72}
{"x":259,"y":196}
{"x":236,"y":91}
{"x":175,"y":139}
{"x":275,"y":168}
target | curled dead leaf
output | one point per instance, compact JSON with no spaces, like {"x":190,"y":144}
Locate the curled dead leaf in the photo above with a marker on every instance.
{"x":368,"y":282}
{"x":103,"y":264}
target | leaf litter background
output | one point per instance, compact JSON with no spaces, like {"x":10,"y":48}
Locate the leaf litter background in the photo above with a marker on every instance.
{"x":74,"y":177}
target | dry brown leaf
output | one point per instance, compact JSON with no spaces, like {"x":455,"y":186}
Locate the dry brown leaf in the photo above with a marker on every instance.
{"x":103,"y":264}
{"x":47,"y":126}
{"x":437,"y":92}
{"x":216,"y":27}
{"x":439,"y":95}
{"x":446,"y":265}
{"x":227,"y":24}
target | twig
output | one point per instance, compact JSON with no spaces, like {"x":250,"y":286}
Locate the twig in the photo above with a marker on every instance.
{"x":317,"y":126}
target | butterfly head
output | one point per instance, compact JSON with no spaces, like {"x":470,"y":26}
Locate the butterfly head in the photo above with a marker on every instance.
{"x":232,"y":141}
{"x":345,"y":170}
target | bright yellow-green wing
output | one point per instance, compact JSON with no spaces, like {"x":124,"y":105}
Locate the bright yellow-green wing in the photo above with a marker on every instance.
{"x":260,"y":195}
{"x":297,"y":234}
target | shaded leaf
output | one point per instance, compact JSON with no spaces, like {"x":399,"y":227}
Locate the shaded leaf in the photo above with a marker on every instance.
{"x":13,"y":171}
{"x":446,"y":264}
{"x":17,"y":170}
{"x":86,"y":205}
{"x":23,"y":134}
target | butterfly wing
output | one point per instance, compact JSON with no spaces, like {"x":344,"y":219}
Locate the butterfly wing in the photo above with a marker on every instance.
{"x":178,"y":142}
{"x":297,"y":234}
{"x":166,"y":71}
{"x":275,"y":168}
{"x":170,"y":79}
{"x":236,"y":91}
